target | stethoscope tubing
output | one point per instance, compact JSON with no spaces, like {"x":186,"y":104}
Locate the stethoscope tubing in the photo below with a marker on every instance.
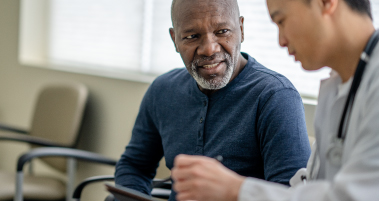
{"x":342,"y":130}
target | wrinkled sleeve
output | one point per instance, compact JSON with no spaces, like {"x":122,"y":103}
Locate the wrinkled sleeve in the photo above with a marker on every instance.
{"x":137,"y":165}
{"x":283,"y":138}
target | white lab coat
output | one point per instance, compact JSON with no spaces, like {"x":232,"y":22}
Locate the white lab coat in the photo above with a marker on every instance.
{"x":358,"y":176}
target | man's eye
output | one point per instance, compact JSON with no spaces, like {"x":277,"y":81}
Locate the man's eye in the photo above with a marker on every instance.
{"x":190,"y":37}
{"x":222,"y":31}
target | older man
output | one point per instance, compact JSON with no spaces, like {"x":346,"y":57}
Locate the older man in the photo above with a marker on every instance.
{"x":223,"y":103}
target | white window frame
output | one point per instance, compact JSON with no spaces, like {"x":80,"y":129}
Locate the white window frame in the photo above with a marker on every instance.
{"x":33,"y":46}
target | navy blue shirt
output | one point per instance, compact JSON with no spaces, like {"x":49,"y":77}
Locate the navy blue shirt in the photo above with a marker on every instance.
{"x":256,"y":123}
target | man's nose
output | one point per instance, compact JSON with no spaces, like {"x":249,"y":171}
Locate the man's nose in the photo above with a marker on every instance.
{"x":282,"y":39}
{"x":209,"y":46}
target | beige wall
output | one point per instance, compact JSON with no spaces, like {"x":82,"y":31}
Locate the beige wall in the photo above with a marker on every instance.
{"x":113,"y":104}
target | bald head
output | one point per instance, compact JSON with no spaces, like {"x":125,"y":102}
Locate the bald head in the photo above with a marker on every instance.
{"x":231,"y":6}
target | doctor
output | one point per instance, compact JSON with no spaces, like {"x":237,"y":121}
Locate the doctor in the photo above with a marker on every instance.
{"x":344,"y":164}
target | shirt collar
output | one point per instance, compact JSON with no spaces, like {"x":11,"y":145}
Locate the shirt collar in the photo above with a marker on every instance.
{"x":344,"y":88}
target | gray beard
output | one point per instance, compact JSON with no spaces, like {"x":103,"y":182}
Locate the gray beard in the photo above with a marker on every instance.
{"x":214,"y":84}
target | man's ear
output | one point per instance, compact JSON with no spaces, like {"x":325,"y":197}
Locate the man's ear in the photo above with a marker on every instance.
{"x":172,"y":34}
{"x":241,"y":21}
{"x":329,"y":6}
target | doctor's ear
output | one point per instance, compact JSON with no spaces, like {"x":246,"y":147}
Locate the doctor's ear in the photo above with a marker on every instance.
{"x":172,"y":34}
{"x":329,"y":6}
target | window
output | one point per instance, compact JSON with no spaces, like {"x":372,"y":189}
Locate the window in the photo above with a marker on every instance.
{"x":261,"y":41}
{"x":129,"y":39}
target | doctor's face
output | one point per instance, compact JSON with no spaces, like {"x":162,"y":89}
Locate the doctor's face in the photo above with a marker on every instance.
{"x":208,"y":35}
{"x":300,"y":30}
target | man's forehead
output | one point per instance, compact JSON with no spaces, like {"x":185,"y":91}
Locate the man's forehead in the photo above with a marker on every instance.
{"x":185,"y":4}
{"x":186,"y":10}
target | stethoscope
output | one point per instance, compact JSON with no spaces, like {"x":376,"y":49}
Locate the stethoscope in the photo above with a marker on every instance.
{"x":334,"y":153}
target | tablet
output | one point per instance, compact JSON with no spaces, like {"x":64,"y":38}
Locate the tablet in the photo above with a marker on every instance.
{"x":127,"y":194}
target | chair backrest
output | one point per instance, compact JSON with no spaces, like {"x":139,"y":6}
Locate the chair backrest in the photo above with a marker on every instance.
{"x":57,"y":116}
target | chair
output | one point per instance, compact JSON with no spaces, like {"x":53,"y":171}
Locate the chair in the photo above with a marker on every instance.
{"x":75,"y":154}
{"x":70,"y":153}
{"x":56,"y":122}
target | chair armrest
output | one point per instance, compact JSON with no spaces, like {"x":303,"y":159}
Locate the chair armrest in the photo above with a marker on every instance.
{"x":29,"y":139}
{"x":78,"y":190}
{"x":161,"y":188}
{"x":161,"y":193}
{"x":13,"y":129}
{"x":157,"y":183}
{"x":63,"y":152}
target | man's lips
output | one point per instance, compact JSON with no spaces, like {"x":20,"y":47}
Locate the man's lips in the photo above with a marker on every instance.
{"x":209,"y":66}
{"x":210,"y":69}
{"x":207,"y":63}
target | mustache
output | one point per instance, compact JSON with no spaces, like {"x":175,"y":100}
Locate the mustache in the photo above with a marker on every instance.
{"x":221,"y":56}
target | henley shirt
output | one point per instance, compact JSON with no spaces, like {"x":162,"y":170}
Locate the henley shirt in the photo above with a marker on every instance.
{"x":256,"y":123}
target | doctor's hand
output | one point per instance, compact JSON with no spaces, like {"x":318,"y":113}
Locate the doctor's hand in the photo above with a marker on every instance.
{"x":202,"y":178}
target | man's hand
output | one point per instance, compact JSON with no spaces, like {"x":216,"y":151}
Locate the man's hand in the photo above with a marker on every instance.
{"x":202,"y":178}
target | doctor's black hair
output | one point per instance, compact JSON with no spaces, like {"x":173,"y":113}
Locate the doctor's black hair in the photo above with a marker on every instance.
{"x":361,"y":6}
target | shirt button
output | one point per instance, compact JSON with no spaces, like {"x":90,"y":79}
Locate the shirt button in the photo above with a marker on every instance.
{"x":205,"y":103}
{"x":201,"y":120}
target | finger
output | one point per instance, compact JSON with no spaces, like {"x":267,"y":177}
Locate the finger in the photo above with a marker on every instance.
{"x":176,"y":173}
{"x":203,"y":170}
{"x":187,"y":160}
{"x":185,"y":196}
{"x":190,"y":185}
{"x":184,"y":173}
{"x":182,"y":160}
{"x":182,"y":185}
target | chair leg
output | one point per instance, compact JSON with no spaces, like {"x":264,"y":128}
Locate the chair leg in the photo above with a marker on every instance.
{"x":31,"y":168}
{"x":71,"y":172}
{"x":19,"y":181}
